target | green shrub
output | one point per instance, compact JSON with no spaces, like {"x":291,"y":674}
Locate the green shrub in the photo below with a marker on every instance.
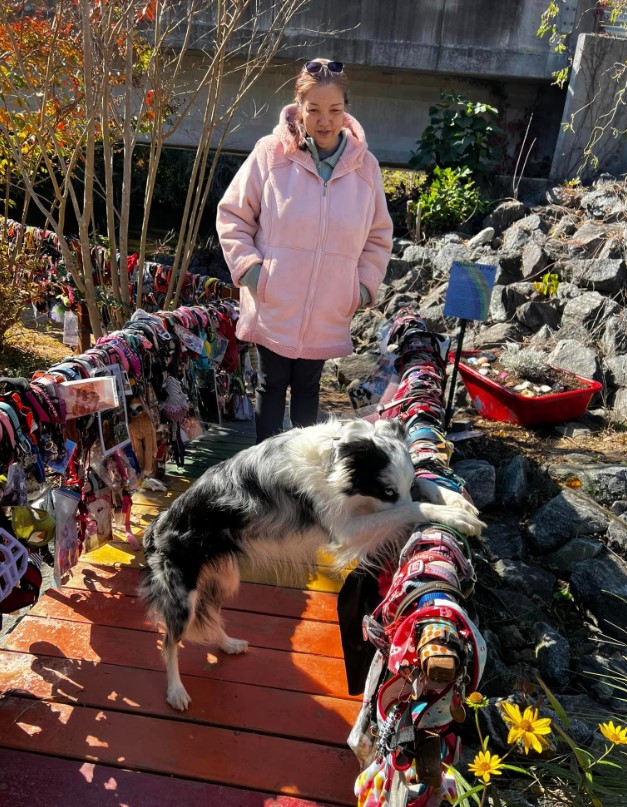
{"x":461,"y":134}
{"x":451,"y":199}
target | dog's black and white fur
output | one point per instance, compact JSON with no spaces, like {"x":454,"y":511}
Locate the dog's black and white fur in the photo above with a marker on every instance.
{"x":345,"y":484}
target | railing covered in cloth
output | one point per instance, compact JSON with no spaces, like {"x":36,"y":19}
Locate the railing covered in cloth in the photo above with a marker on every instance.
{"x":77,"y":439}
{"x":428,"y":654}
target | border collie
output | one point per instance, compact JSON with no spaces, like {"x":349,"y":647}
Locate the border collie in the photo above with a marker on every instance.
{"x":344,"y":484}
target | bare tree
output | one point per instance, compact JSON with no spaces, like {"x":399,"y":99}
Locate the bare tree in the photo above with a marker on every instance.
{"x":128,"y":82}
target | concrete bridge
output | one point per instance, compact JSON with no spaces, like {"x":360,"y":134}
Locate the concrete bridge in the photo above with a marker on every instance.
{"x":401,"y":54}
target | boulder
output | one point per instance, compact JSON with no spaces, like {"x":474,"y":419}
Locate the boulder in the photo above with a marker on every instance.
{"x":576,"y":550}
{"x":534,"y":260}
{"x":504,"y":303}
{"x":480,"y":479}
{"x":503,"y":215}
{"x":601,"y":586}
{"x":614,"y":338}
{"x":530,"y":580}
{"x":501,"y":541}
{"x":513,"y":483}
{"x":606,"y":275}
{"x":562,"y":518}
{"x":553,"y":654}
{"x":603,"y":204}
{"x":617,"y":370}
{"x":590,"y":309}
{"x":535,"y":315}
{"x":571,"y":355}
{"x":508,"y":267}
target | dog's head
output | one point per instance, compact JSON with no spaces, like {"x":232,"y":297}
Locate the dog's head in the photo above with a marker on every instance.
{"x":372,"y":461}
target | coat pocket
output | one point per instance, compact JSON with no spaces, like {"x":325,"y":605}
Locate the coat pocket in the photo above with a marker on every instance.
{"x":263,"y":278}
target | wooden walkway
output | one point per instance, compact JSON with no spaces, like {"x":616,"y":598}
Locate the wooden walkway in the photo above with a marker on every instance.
{"x":83,"y":716}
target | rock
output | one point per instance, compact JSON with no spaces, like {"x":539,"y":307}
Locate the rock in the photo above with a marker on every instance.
{"x":619,"y":406}
{"x":614,"y":339}
{"x":513,"y":484}
{"x":601,"y":586}
{"x":606,"y":275}
{"x":501,"y":541}
{"x":510,"y":637}
{"x":504,"y":303}
{"x":589,"y":309}
{"x":355,"y":367}
{"x":397,"y":268}
{"x":617,"y":370}
{"x":566,"y":197}
{"x":485,"y":236}
{"x":418,"y":254}
{"x":565,"y":227}
{"x":532,"y":223}
{"x":503,"y":215}
{"x":553,"y":654}
{"x":434,"y":318}
{"x":542,"y":337}
{"x":575,"y":357}
{"x":604,"y":483}
{"x":535,"y":315}
{"x":534,"y":260}
{"x":530,"y":580}
{"x":446,"y":256}
{"x":398,"y":301}
{"x":515,"y":239}
{"x":603,"y":678}
{"x":497,"y":335}
{"x":612,"y":248}
{"x":602,"y":204}
{"x":480,"y":478}
{"x":508,"y":268}
{"x":589,"y":237}
{"x":399,"y":245}
{"x":576,"y":550}
{"x":616,"y":535}
{"x":573,"y":429}
{"x":563,"y":517}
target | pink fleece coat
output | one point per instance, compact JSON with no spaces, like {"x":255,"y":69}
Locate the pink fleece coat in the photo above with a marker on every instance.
{"x":316,"y":242}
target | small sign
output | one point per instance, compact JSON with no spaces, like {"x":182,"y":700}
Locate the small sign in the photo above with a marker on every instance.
{"x":70,"y":329}
{"x":469,"y":290}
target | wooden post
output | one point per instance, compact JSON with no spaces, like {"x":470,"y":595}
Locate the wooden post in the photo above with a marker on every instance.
{"x":84,"y":328}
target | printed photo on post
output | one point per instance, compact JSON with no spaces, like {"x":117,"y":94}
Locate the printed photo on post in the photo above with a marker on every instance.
{"x":113,"y":423}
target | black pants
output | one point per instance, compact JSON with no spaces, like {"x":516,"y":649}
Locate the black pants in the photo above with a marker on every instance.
{"x":275,"y":374}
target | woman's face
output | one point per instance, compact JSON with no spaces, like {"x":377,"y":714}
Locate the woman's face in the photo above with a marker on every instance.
{"x":323,"y":114}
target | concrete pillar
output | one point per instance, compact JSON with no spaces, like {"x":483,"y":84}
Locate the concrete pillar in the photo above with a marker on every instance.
{"x":595,"y":114}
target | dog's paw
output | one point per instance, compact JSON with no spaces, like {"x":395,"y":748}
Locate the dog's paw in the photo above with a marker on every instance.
{"x":463,"y":521}
{"x":234,"y":646}
{"x":438,"y":494}
{"x":178,"y":698}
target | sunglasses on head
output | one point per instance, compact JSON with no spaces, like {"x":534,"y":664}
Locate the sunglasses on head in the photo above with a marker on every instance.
{"x":315,"y":67}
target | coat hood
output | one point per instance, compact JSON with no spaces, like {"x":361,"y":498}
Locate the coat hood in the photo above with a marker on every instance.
{"x":356,"y":145}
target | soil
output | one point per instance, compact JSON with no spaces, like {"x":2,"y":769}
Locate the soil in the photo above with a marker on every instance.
{"x":556,"y":380}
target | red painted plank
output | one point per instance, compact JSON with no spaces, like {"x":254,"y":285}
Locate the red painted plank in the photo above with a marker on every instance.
{"x":279,"y":633}
{"x":261,"y":599}
{"x":33,"y":780}
{"x":300,"y":672}
{"x":186,"y":750}
{"x":221,"y":703}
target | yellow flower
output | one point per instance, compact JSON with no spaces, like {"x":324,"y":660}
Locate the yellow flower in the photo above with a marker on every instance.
{"x":476,"y":700}
{"x":615,"y":734}
{"x":526,"y":727}
{"x":486,"y":765}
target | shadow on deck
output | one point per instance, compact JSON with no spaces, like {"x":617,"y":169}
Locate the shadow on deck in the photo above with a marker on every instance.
{"x":83,"y":716}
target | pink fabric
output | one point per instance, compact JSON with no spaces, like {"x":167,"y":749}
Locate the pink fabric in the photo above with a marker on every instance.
{"x":315,"y":243}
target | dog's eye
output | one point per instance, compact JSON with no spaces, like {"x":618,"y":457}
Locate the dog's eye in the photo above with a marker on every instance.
{"x":389,"y":493}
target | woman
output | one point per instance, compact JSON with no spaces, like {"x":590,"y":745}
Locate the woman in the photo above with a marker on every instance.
{"x":306,"y":233}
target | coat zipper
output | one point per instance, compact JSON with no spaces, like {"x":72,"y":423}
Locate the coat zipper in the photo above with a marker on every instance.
{"x":313,"y":283}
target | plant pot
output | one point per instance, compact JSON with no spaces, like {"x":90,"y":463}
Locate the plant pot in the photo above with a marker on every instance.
{"x":495,"y":402}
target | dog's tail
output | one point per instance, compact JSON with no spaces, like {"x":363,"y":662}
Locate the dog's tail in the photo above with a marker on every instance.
{"x":163,"y":588}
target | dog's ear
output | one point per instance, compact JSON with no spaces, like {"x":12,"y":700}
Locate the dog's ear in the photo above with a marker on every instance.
{"x":390,"y":427}
{"x":352,"y":430}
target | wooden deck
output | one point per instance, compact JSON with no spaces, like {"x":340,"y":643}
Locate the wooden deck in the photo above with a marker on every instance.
{"x":83,"y":716}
